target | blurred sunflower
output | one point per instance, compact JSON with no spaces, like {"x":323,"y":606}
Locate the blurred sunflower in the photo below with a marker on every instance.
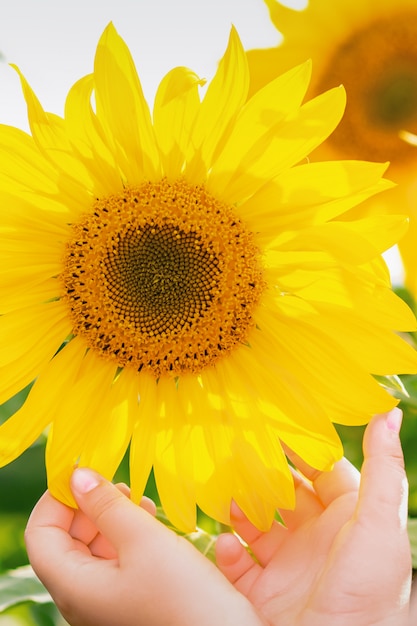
{"x":369,"y":46}
{"x":184,"y":285}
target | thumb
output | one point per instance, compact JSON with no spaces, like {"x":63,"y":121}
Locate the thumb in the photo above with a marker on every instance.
{"x":115,"y":516}
{"x":384,"y":487}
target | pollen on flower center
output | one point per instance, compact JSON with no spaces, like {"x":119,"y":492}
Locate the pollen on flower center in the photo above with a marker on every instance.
{"x":378,"y":67}
{"x":162,"y":277}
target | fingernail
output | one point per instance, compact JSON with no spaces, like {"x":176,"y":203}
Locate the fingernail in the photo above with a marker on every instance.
{"x":84,"y":480}
{"x":394,"y":420}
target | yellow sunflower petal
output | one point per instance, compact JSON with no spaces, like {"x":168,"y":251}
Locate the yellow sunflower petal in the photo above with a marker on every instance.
{"x":33,"y":275}
{"x":321,"y":365}
{"x":87,"y":137}
{"x":91,"y":402}
{"x":368,"y":47}
{"x":358,"y":242}
{"x":317,"y":31}
{"x":210,"y":440}
{"x":242,"y":412}
{"x":26,"y":173}
{"x":260,"y":512}
{"x":36,"y":334}
{"x":257,"y":475}
{"x":262,"y":466}
{"x":177,"y":104}
{"x":225,"y":96}
{"x":275,"y":401}
{"x":50,"y":134}
{"x":42,"y":214}
{"x":381,"y":305}
{"x":27,"y":295}
{"x":253,"y":465}
{"x":265,"y":64}
{"x":259,"y":119}
{"x":20,"y":245}
{"x":142,"y":446}
{"x":25,"y":426}
{"x":313,"y":193}
{"x":385,"y":354}
{"x":203,"y":280}
{"x":279,"y":147}
{"x":123,"y":112}
{"x":110,"y":442}
{"x":173,"y":458}
{"x":313,"y":437}
{"x":25,"y":329}
{"x":322,"y":280}
{"x":22,"y":166}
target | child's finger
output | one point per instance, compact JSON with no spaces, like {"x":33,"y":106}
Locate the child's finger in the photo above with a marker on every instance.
{"x":234,"y":561}
{"x":148,"y":505}
{"x":85,"y":530}
{"x":262,"y":544}
{"x":114,"y":515}
{"x":68,"y":568}
{"x":384,"y":487}
{"x":342,"y":479}
{"x":58,"y":515}
{"x":100,"y":545}
{"x":53,"y":552}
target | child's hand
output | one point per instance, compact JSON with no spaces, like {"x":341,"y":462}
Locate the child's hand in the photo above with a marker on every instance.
{"x":343,"y":559}
{"x":113,"y":564}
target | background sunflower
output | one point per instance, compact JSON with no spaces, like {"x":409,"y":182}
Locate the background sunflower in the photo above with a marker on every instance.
{"x":370,"y":46}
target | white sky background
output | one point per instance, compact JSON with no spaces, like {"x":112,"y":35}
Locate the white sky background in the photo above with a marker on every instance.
{"x":53,"y":43}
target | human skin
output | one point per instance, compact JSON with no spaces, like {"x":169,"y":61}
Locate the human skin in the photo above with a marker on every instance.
{"x":343,"y":557}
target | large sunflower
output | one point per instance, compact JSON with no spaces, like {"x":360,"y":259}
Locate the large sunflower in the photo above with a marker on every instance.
{"x":370,"y":46}
{"x":183,"y":284}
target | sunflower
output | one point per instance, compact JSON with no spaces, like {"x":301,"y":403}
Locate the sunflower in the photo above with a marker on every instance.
{"x":370,"y":46}
{"x":185,"y":284}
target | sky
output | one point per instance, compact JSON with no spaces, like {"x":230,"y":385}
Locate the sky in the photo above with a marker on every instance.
{"x":53,"y":43}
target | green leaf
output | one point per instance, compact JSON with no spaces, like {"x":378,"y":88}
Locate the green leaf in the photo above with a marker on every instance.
{"x":21,"y":585}
{"x":412,"y":533}
{"x":394,"y":385}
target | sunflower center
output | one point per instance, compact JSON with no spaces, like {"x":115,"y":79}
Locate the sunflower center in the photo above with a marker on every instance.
{"x":162,"y":277}
{"x":378,"y":67}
